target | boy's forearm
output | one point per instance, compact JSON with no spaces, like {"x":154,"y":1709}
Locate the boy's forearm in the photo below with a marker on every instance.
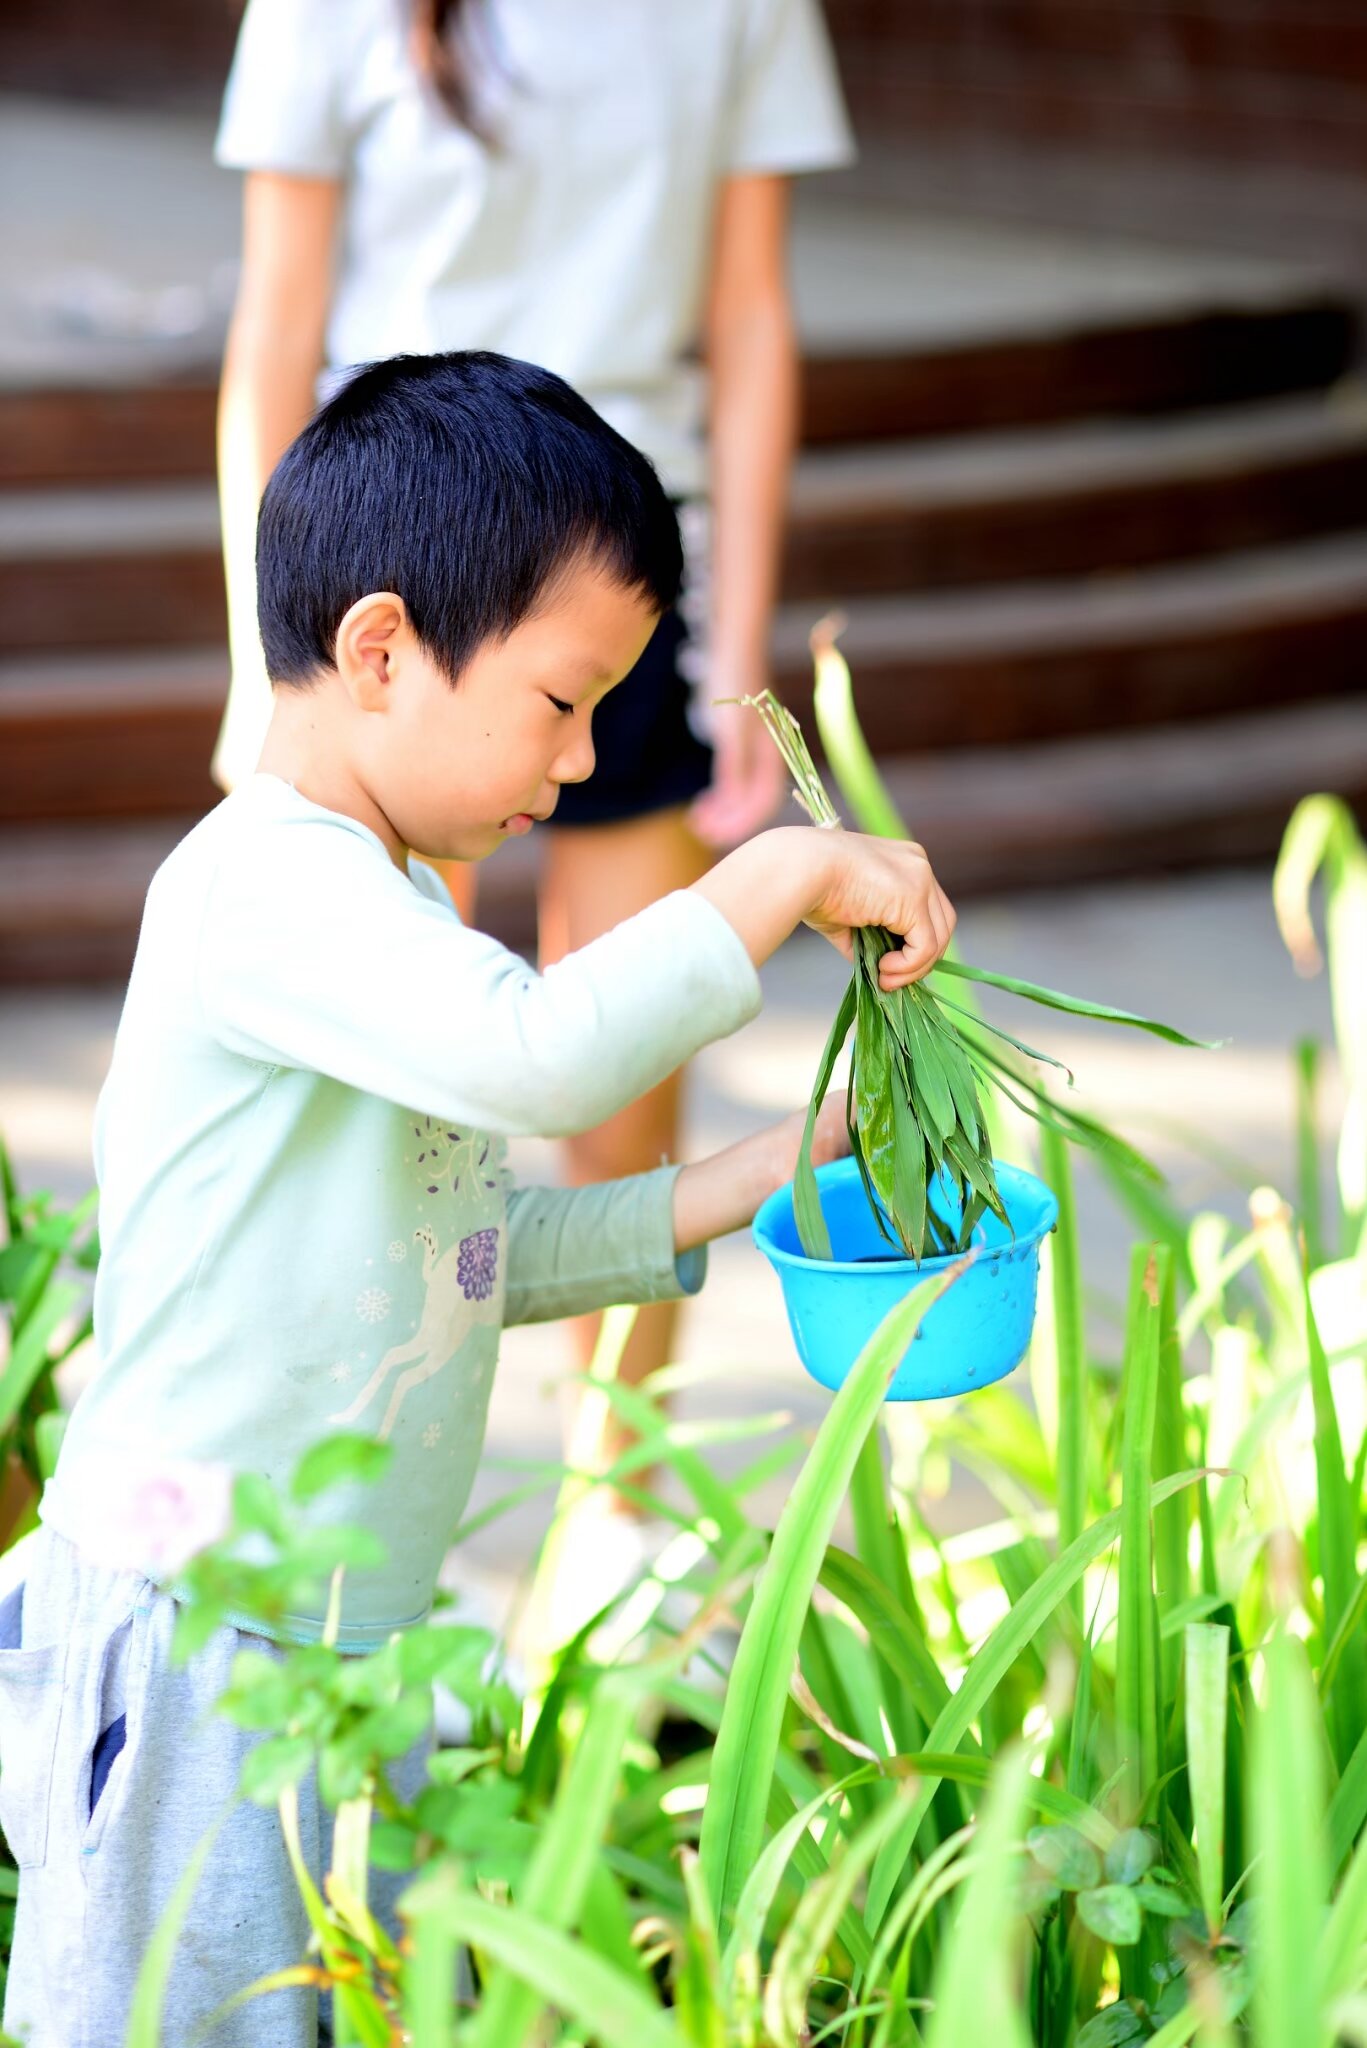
{"x":767,"y":886}
{"x":716,"y":1195}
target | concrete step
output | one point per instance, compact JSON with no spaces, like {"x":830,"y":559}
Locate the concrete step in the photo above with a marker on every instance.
{"x":1257,"y":340}
{"x":125,"y":736}
{"x":1035,"y":661}
{"x":1076,"y":499}
{"x":997,"y":819}
{"x":108,"y":568}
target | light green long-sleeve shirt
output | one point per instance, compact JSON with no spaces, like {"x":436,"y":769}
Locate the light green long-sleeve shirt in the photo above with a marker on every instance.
{"x":305,"y":1217}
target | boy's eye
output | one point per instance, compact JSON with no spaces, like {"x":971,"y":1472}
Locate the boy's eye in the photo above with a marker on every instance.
{"x":560,"y":705}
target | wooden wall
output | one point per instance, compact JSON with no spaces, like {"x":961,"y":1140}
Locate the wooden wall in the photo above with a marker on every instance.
{"x":1208,"y":81}
{"x":1232,"y":82}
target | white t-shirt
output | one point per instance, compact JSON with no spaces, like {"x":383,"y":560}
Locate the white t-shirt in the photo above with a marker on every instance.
{"x":304,"y":1219}
{"x":580,"y":239}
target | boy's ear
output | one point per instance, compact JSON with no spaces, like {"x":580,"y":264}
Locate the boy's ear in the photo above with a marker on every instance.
{"x":367,"y":643}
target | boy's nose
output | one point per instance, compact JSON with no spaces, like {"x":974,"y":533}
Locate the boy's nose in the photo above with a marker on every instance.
{"x":577,"y":762}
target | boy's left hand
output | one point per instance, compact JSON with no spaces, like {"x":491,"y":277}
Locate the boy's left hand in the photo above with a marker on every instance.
{"x":831,"y":1139}
{"x":722,"y":1193}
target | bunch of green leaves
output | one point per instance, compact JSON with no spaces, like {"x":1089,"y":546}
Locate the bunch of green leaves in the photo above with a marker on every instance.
{"x":915,"y":1112}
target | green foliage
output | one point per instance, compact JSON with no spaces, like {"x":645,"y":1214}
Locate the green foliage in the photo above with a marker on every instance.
{"x":1091,"y":1775}
{"x":46,"y":1257}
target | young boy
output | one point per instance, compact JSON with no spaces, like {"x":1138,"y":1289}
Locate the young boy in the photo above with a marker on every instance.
{"x":305,"y":1217}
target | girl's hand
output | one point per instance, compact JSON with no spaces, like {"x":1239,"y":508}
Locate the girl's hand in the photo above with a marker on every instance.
{"x":884,"y":882}
{"x":749,"y":781}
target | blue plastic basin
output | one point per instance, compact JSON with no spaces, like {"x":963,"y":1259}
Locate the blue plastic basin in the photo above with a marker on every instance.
{"x":977,"y":1331}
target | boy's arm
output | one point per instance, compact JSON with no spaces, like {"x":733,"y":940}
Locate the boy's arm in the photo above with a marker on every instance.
{"x":314,"y":951}
{"x":574,"y":1250}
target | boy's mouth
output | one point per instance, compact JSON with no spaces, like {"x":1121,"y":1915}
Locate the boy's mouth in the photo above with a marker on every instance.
{"x":523,"y":821}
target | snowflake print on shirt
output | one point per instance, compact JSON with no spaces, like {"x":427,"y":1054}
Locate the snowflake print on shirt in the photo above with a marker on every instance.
{"x":431,"y":1436}
{"x":460,"y":1292}
{"x":373,"y":1305}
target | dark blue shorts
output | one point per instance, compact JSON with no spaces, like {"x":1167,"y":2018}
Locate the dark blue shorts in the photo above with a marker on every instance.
{"x":649,"y":759}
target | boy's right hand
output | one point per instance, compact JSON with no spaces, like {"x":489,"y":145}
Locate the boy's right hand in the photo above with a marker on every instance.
{"x":885,"y":882}
{"x":833,"y":881}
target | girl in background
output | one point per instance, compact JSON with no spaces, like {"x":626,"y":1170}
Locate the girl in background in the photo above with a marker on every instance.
{"x":601,"y":187}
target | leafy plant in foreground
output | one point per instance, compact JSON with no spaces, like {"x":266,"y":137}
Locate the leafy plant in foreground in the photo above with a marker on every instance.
{"x":45,"y":1259}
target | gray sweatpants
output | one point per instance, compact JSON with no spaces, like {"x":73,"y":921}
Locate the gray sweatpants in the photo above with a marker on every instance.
{"x":113,"y":1765}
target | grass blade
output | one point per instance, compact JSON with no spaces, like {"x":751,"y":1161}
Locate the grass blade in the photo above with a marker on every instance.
{"x":748,"y":1737}
{"x":1290,"y":1884}
{"x":977,"y":1993}
{"x":568,"y":1844}
{"x":1051,"y":999}
{"x":1338,"y":1526}
{"x":842,"y":738}
{"x":1069,"y":1350}
{"x":603,"y":2002}
{"x":1348,"y":1807}
{"x":1207,"y":1672}
{"x":811,"y":1224}
{"x":1308,"y":1151}
{"x":988,"y":1668}
{"x":1135,"y":1665}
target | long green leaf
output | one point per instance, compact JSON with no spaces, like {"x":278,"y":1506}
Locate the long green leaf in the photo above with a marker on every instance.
{"x":603,"y":2001}
{"x":843,"y":742}
{"x":1207,"y":1673}
{"x":812,"y":1927}
{"x":811,"y":1224}
{"x":761,"y":1887}
{"x":1290,"y":1884}
{"x":1136,"y":1675}
{"x":990,"y":1666}
{"x":747,"y":1740}
{"x":1338,"y":1527}
{"x":1343,"y":1945}
{"x":1070,"y":1349}
{"x":977,"y":1991}
{"x":28,"y":1357}
{"x":568,"y":1845}
{"x":1348,"y":1807}
{"x":894,"y":1632}
{"x":1074,"y":1005}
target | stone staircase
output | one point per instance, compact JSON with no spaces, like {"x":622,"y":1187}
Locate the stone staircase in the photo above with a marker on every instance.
{"x":1106,"y":591}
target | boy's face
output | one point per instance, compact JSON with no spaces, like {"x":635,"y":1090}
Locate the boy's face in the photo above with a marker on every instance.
{"x":458,"y":770}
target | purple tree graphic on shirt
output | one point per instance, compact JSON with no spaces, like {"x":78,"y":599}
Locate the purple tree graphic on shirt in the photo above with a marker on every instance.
{"x":478,"y":1264}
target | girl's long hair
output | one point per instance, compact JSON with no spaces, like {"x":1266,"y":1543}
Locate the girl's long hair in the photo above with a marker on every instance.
{"x":442,"y":58}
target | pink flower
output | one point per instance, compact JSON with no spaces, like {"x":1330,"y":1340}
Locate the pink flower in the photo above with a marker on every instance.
{"x":158,"y":1517}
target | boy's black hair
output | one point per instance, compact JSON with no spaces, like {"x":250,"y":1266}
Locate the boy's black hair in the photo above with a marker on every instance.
{"x":465,"y":483}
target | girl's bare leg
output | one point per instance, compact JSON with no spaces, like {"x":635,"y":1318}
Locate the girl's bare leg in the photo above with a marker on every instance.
{"x":592,"y":878}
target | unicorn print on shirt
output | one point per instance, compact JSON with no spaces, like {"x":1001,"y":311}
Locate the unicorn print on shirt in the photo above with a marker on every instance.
{"x":461,"y":1293}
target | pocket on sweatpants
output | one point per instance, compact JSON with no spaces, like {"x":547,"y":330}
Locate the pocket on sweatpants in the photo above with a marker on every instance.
{"x":30,"y":1711}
